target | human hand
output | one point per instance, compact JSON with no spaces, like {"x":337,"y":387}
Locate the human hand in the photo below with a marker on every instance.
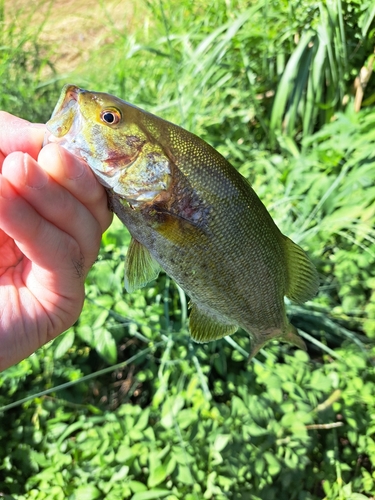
{"x":52,"y":215}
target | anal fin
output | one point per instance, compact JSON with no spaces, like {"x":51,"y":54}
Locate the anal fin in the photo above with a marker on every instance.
{"x":140,"y":266}
{"x":204,"y":327}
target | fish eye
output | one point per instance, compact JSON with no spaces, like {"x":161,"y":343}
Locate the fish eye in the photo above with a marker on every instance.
{"x":110,"y":116}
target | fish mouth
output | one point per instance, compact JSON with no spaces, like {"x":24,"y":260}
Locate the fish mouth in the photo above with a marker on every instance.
{"x":66,"y":119}
{"x":68,"y":98}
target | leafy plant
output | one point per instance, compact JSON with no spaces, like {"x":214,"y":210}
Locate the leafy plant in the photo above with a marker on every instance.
{"x":259,"y":430}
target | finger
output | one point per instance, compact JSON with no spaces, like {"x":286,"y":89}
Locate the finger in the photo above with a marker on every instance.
{"x":19,"y":135}
{"x":51,"y":283}
{"x":74,"y":174}
{"x":53,"y":202}
{"x":54,"y":255}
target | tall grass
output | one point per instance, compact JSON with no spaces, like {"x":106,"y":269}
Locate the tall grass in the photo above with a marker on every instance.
{"x":317,"y":77}
{"x":239,"y":71}
{"x":24,"y":60}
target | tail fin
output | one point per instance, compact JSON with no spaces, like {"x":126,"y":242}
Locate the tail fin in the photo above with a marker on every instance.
{"x":303,"y":280}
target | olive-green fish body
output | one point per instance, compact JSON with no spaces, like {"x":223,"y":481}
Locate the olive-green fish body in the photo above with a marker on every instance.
{"x":191,"y":213}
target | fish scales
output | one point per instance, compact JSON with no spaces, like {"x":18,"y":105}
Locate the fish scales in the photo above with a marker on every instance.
{"x":192,"y":214}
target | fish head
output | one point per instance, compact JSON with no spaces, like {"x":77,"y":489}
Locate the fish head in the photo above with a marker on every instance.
{"x":112,"y":136}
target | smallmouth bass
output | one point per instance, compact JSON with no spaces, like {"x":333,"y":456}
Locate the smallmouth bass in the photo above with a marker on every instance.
{"x":191,"y":213}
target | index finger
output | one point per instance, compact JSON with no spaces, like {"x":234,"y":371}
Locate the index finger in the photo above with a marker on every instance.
{"x":17,"y":134}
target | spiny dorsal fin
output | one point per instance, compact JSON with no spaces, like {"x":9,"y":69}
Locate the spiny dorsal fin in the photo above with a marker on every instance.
{"x":204,"y":327}
{"x":140,"y":267}
{"x":303,"y":280}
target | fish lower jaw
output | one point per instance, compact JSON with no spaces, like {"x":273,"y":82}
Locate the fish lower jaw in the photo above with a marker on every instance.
{"x":49,"y":138}
{"x":64,"y":142}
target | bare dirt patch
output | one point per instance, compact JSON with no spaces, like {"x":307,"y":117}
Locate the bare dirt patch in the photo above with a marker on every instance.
{"x":73,"y":29}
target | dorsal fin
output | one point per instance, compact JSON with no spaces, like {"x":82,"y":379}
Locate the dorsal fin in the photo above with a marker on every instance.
{"x":303,"y":280}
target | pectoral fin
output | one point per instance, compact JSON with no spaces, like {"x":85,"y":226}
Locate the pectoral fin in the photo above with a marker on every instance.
{"x":140,"y":267}
{"x":178,"y":230}
{"x":204,"y":327}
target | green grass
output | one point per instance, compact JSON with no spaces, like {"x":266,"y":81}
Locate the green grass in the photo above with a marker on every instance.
{"x":124,"y":405}
{"x":23,"y":61}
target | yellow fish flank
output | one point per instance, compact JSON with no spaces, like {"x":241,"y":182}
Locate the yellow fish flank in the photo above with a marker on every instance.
{"x":192,"y":214}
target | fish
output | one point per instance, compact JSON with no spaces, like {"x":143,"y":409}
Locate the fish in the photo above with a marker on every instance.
{"x":191,"y":213}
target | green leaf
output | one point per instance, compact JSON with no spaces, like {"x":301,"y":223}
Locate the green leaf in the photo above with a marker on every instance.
{"x":120,"y":474}
{"x":285,"y":89}
{"x":186,"y":417}
{"x":273,"y":463}
{"x":88,"y":492}
{"x":63,"y":343}
{"x":259,"y":466}
{"x":171,"y":408}
{"x":184,"y":475}
{"x":137,"y":486}
{"x":357,"y":496}
{"x":367,"y":20}
{"x":151,"y":495}
{"x":85,"y":332}
{"x":143,"y":420}
{"x":157,"y":476}
{"x":105,"y":345}
{"x":221,"y":442}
